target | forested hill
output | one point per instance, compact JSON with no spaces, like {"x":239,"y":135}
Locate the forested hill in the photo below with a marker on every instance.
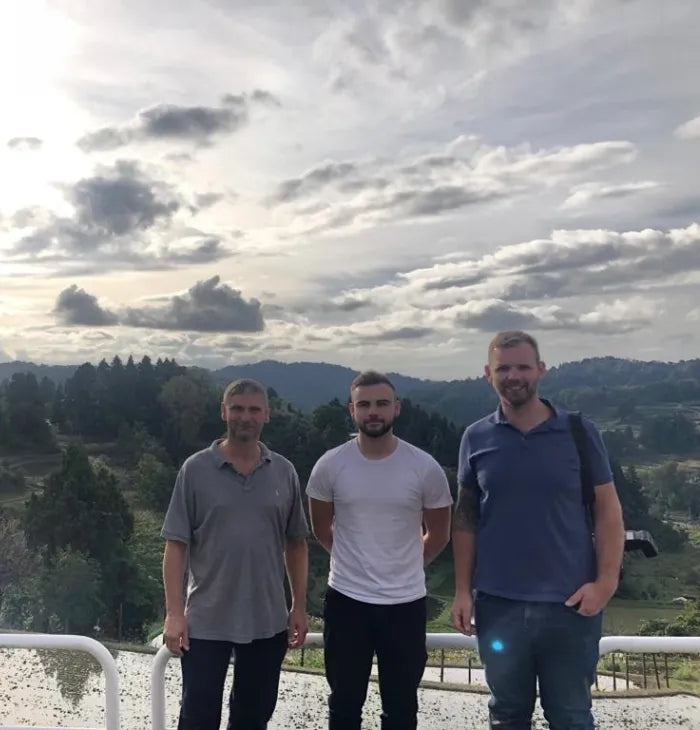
{"x":56,"y":373}
{"x":307,"y":385}
{"x":604,"y":386}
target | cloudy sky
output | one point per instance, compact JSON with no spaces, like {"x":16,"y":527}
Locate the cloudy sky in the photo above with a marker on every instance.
{"x":382,"y":183}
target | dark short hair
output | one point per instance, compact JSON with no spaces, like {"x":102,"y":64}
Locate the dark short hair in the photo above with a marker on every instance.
{"x":371,"y":377}
{"x":513,"y":338}
{"x":243,"y":386}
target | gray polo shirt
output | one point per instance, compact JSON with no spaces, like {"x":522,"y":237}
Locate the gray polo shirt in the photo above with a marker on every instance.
{"x":235,"y":527}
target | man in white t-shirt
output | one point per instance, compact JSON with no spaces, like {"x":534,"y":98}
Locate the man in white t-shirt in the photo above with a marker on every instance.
{"x":369,"y":501}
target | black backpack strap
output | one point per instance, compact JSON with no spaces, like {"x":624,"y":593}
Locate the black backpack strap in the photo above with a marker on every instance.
{"x":580,"y":436}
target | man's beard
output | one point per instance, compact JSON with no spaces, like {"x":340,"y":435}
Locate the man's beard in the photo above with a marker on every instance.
{"x":519,"y":397}
{"x":236,"y":433}
{"x":376,"y":432}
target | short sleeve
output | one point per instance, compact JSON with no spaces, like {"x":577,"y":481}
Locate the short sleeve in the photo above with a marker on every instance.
{"x":319,"y":485}
{"x":465,"y":475}
{"x":178,"y":519}
{"x":598,"y":455}
{"x":297,"y":527}
{"x":436,"y":488}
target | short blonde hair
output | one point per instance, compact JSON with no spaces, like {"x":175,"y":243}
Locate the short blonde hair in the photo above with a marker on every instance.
{"x":513,"y":338}
{"x":243,"y":386}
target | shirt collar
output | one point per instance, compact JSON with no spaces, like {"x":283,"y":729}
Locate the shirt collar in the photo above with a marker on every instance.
{"x":558,"y":421}
{"x":220,"y":461}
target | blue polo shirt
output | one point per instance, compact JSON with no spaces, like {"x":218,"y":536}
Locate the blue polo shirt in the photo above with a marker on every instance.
{"x":533,"y":542}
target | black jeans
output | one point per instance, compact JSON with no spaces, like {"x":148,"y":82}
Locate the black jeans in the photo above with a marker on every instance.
{"x":256,"y":677}
{"x":353,"y":632}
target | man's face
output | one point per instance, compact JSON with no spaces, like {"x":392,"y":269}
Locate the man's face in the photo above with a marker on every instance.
{"x":245,"y":415}
{"x":514,"y":372}
{"x":374,"y":409}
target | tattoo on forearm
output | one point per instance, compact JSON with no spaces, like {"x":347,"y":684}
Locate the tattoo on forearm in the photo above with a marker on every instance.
{"x":466,"y":515}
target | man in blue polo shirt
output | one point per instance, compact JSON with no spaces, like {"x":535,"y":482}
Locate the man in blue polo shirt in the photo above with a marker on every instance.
{"x":525,"y":560}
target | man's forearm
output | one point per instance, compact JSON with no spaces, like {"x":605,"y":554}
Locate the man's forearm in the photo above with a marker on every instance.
{"x":174,"y":562}
{"x":325,"y":538}
{"x":433,"y":545}
{"x":610,"y":546}
{"x":296,"y":558}
{"x":464,"y":550}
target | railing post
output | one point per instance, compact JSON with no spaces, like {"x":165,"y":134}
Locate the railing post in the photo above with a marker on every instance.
{"x":76,"y":643}
{"x":160,"y":661}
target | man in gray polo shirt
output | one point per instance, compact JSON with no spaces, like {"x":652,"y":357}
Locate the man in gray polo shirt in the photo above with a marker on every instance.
{"x":236,"y":515}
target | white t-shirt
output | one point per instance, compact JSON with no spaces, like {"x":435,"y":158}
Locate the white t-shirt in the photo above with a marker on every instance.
{"x":377,"y":554}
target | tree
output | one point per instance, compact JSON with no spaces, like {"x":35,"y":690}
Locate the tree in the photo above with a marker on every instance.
{"x":72,"y":589}
{"x":674,"y":434}
{"x":153,"y":483}
{"x":16,"y":559}
{"x":189,"y":399}
{"x":99,"y":526}
{"x":26,"y":416}
{"x":675,"y":488}
{"x":100,"y":519}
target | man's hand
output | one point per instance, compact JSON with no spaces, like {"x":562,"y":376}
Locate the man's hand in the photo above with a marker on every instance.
{"x":297,"y":627}
{"x":591,"y":598}
{"x":461,"y":613}
{"x":175,"y":633}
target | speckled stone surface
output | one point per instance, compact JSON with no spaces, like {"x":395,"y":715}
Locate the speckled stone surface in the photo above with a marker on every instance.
{"x":57,"y":688}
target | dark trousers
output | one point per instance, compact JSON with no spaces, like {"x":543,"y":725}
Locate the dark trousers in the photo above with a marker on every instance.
{"x":353,"y":632}
{"x":256,"y":677}
{"x":524,"y":642}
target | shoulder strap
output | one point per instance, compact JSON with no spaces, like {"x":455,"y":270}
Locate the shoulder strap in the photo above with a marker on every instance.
{"x":580,"y":436}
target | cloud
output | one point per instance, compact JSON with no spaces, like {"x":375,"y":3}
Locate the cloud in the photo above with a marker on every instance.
{"x":75,"y":306}
{"x":195,"y":124}
{"x":120,"y":201}
{"x":689,"y":130}
{"x":574,"y":280}
{"x":206,"y":200}
{"x":25,"y":143}
{"x":350,"y":304}
{"x":208,"y":306}
{"x":122,"y":218}
{"x":581,"y":195}
{"x":400,"y":333}
{"x":494,"y":315}
{"x":460,"y":174}
{"x":569,"y":262}
{"x":312,"y":181}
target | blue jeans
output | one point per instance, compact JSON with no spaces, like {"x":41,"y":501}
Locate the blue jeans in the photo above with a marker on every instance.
{"x":524,"y":642}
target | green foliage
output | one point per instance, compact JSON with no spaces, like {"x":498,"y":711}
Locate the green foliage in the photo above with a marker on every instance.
{"x":11,"y":479}
{"x":100,"y":519}
{"x":673,"y":488}
{"x":153,"y":483}
{"x":669,"y":434}
{"x":687,"y":623}
{"x":71,"y":591}
{"x":190,"y":401}
{"x":635,"y":507}
{"x":24,"y":411}
{"x":63,"y":595}
{"x":16,"y":559}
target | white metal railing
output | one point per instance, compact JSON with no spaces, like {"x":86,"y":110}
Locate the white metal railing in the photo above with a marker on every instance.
{"x":608,"y":644}
{"x":75,"y":643}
